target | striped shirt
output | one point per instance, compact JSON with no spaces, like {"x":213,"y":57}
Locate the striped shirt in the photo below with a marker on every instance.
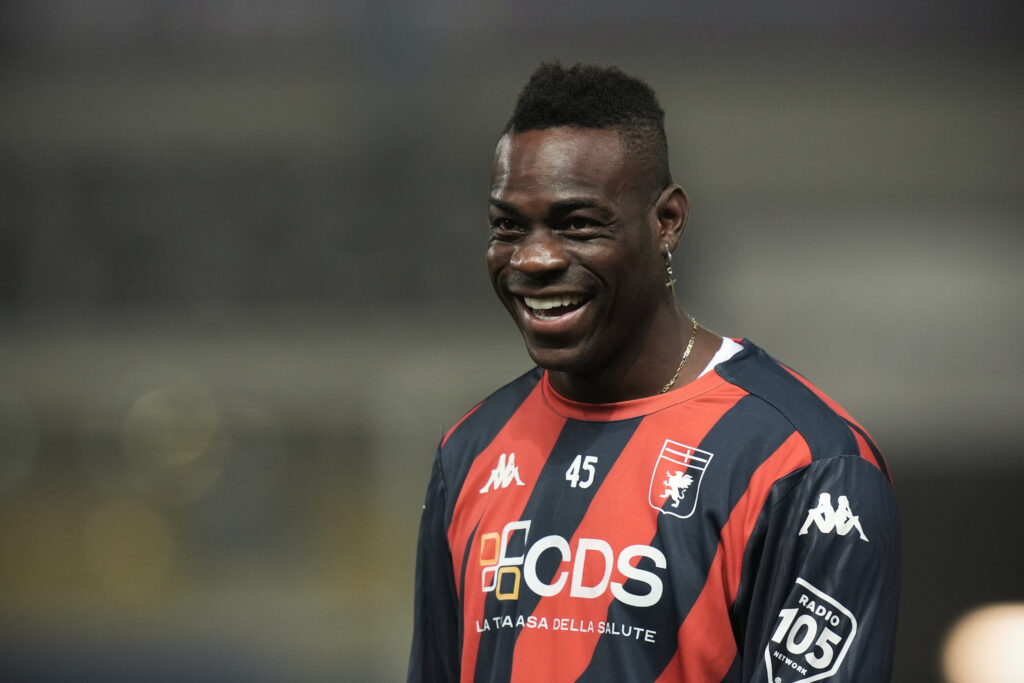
{"x":741,"y":528}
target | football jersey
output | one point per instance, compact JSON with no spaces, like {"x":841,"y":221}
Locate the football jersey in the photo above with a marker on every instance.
{"x":741,"y":528}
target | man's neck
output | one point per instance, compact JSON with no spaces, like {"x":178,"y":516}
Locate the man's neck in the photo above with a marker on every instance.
{"x":645,"y":369}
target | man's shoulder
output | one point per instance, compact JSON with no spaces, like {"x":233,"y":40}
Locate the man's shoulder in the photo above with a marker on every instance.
{"x":823,"y":423}
{"x":490,"y":414}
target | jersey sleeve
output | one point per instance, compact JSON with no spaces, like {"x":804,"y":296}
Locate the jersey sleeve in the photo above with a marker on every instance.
{"x":824,"y":562}
{"x":436,"y":638}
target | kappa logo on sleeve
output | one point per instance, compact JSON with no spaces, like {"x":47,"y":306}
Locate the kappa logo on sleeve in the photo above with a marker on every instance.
{"x":812,"y":635}
{"x":676,"y":479}
{"x":839,"y":519}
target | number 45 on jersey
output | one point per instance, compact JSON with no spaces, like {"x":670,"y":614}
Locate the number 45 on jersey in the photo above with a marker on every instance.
{"x":581,"y":472}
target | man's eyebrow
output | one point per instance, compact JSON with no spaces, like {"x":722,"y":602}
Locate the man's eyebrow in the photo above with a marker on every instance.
{"x":569,"y":205}
{"x":561,"y":206}
{"x":504,"y":206}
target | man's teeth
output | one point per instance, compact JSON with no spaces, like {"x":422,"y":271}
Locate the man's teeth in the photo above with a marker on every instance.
{"x":549,"y":302}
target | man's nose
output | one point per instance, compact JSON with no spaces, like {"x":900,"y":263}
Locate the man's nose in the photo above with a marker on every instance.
{"x":539,"y":253}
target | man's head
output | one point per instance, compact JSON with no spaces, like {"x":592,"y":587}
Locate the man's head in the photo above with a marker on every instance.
{"x":597,"y":97}
{"x":582,"y":212}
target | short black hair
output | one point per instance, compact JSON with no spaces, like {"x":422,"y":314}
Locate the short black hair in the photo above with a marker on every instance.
{"x":596,"y":96}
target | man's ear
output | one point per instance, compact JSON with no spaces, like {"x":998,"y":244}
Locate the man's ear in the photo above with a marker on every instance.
{"x":671,"y":211}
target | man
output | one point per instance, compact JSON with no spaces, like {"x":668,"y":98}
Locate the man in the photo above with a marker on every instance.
{"x":636,"y":507}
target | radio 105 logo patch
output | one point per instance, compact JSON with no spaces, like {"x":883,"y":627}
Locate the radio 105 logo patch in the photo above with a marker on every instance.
{"x":812,"y":635}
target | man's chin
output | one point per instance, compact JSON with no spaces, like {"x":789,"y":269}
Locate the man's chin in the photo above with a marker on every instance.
{"x":568,"y":359}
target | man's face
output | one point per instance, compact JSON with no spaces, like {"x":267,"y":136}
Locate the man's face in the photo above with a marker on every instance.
{"x":574,"y":252}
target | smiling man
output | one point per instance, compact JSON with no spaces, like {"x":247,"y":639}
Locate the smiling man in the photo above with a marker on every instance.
{"x":652,"y":502}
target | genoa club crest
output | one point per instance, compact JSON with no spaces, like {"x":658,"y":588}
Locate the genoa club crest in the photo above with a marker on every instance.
{"x":676,"y":479}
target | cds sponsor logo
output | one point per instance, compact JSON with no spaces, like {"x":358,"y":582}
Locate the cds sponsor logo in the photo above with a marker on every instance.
{"x":587,"y":569}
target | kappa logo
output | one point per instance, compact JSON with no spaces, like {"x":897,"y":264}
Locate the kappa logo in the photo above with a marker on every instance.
{"x":839,"y":519}
{"x":675,"y":482}
{"x":504,"y":474}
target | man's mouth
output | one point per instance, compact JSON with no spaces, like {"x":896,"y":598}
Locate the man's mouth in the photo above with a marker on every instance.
{"x":552,"y":307}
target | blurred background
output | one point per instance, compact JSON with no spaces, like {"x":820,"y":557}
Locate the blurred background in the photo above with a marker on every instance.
{"x":242,"y":294}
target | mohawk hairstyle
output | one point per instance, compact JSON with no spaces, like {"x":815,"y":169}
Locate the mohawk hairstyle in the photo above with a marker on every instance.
{"x":596,"y":96}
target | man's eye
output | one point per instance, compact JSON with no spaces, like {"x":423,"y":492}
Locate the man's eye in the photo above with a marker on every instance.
{"x":503,"y":224}
{"x":504,"y":228}
{"x":580,"y":224}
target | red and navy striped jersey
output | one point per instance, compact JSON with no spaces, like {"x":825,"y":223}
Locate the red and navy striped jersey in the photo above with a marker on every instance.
{"x":741,"y":528}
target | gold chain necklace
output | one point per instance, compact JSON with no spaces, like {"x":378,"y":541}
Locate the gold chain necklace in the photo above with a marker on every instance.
{"x":686,"y":354}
